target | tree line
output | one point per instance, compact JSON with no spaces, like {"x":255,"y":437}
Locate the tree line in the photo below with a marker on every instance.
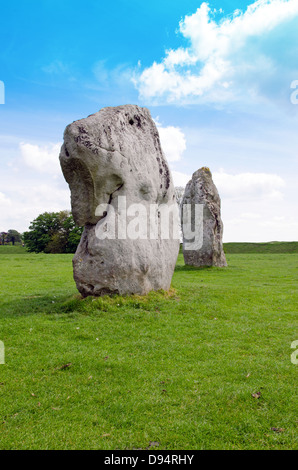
{"x":50,"y":232}
{"x":12,"y":236}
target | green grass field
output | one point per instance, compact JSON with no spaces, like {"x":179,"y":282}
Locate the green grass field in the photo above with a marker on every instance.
{"x":206,"y":366}
{"x":10,"y":249}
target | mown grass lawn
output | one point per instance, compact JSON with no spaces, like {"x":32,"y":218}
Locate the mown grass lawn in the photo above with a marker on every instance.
{"x":177,"y":369}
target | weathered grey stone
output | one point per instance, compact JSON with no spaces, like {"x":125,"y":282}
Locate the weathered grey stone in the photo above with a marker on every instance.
{"x":201,"y":190}
{"x":117,"y":152}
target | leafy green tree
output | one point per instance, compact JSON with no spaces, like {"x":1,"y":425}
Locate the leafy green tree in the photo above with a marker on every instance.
{"x":74,"y":238}
{"x":14,"y":236}
{"x":53,"y":232}
{"x":3,"y":238}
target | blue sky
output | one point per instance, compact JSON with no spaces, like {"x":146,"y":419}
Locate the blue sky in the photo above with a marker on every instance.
{"x":216,"y":78}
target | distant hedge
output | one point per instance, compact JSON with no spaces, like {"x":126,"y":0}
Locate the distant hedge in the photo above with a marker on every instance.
{"x":269,"y":247}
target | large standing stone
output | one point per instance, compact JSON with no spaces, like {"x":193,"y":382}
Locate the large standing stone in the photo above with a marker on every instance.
{"x":117,"y":152}
{"x":202,"y":191}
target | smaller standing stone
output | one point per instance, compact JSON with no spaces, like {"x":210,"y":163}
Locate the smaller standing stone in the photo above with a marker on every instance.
{"x":201,"y":190}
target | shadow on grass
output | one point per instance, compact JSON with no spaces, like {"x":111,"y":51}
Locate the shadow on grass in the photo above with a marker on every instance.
{"x":187,"y":267}
{"x":76,"y":304}
{"x":31,"y":305}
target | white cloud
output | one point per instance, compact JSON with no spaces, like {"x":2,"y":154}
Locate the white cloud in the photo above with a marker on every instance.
{"x":47,"y":196}
{"x":31,"y":183}
{"x":241,"y":186}
{"x":26,"y":201}
{"x":107,"y":77}
{"x":252,"y":206}
{"x":267,"y":222}
{"x":179,"y":178}
{"x":224,"y":58}
{"x":4,"y":200}
{"x":248,"y":186}
{"x":44,"y":159}
{"x":172,"y":141}
{"x":56,"y":67}
{"x":250,"y":216}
